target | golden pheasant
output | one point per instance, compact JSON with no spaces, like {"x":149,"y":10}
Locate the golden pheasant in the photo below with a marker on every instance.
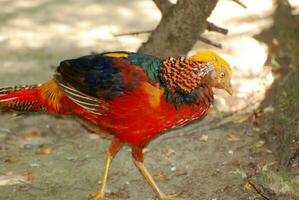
{"x":131,"y":96}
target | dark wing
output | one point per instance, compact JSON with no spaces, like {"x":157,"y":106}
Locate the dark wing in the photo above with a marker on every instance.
{"x":100,"y":77}
{"x":93,"y":75}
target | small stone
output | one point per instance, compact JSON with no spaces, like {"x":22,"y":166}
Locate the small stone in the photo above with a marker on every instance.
{"x":72,"y":158}
{"x":93,"y":136}
{"x":204,"y":138}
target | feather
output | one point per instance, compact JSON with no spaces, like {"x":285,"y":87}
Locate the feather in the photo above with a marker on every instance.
{"x":90,"y":104}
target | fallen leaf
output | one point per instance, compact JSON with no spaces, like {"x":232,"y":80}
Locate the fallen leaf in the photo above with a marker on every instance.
{"x":29,"y":176}
{"x":260,"y":144}
{"x":247,"y":186}
{"x":233,"y":163}
{"x":120,"y":195}
{"x":232,"y":138}
{"x":32,"y":133}
{"x":12,"y":179}
{"x":11,"y":160}
{"x":204,"y":138}
{"x":264,"y":165}
{"x":44,"y":151}
{"x":161,"y":177}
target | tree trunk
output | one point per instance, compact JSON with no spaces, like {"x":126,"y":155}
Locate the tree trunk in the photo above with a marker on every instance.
{"x":180,"y":27}
{"x":283,"y":97}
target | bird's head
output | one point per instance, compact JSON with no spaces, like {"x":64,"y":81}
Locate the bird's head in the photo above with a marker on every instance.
{"x":219,"y":75}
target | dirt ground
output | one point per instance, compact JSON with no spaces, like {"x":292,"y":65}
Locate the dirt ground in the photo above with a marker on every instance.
{"x":63,"y":161}
{"x":45,"y":157}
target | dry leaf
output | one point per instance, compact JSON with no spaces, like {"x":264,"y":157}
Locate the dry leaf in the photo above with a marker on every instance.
{"x":29,"y":176}
{"x":121,"y":195}
{"x":232,"y":138}
{"x":260,"y":144}
{"x":204,"y":138}
{"x":233,"y":163}
{"x":32,"y":133}
{"x":12,"y":179}
{"x":247,"y":186}
{"x":161,"y":177}
{"x":264,"y":165}
{"x":11,"y":160}
{"x":44,"y":151}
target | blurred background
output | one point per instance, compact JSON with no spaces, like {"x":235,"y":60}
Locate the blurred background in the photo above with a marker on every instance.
{"x":261,"y":46}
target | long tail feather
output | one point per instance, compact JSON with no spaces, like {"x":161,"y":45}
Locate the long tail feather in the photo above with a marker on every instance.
{"x":20,"y":98}
{"x":16,"y":88}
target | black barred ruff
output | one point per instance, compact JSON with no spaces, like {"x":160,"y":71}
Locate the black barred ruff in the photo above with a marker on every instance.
{"x":8,"y":90}
{"x":183,"y":74}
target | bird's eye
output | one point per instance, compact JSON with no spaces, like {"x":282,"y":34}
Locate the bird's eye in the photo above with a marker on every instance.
{"x":222,"y":74}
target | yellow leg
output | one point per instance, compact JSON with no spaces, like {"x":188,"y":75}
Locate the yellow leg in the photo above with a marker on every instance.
{"x":138,"y":158}
{"x":113,"y":149}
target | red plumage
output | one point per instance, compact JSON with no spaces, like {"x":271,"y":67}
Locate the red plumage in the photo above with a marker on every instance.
{"x":136,"y":122}
{"x":132,"y":97}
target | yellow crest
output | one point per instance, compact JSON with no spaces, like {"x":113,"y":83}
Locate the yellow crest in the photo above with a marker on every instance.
{"x":213,"y":58}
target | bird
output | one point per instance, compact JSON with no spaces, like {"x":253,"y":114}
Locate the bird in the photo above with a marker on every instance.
{"x":130,"y":97}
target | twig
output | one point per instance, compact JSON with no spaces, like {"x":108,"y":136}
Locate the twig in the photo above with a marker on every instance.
{"x":258,"y":191}
{"x":212,"y":27}
{"x":210,"y":42}
{"x":239,"y":3}
{"x":133,"y":33}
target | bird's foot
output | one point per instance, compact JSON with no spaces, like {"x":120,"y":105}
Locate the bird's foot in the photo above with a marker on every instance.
{"x":175,"y":197}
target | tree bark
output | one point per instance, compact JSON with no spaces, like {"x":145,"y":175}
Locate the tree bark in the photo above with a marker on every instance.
{"x":283,"y":96}
{"x":180,"y":27}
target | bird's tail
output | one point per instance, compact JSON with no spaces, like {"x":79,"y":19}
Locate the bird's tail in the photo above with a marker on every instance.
{"x":20,"y":98}
{"x":31,"y":98}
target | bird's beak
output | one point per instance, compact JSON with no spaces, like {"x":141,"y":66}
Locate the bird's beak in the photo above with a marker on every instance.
{"x":229,"y":89}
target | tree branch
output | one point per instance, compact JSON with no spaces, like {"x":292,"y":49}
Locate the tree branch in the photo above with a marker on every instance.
{"x":163,"y":5}
{"x":210,"y":42}
{"x":133,"y":33}
{"x":215,"y":28}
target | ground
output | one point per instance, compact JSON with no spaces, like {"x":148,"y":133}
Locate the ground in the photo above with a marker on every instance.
{"x":58,"y":159}
{"x":45,"y":157}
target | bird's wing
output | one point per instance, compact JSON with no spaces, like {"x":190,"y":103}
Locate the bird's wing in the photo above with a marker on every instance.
{"x":91,"y":80}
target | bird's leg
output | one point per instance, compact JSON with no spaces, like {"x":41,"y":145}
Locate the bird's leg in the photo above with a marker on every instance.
{"x":112,"y":151}
{"x":138,"y":159}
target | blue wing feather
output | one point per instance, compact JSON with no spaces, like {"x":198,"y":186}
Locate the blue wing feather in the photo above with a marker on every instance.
{"x":99,"y":75}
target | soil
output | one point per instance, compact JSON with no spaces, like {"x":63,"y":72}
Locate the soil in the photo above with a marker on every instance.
{"x":59,"y":159}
